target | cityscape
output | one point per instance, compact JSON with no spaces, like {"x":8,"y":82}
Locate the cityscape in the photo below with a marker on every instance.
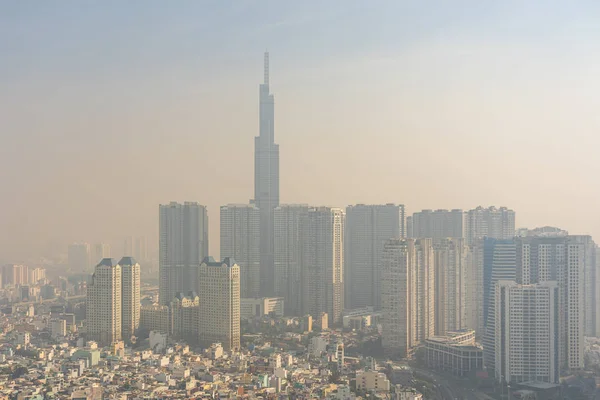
{"x":307,"y":301}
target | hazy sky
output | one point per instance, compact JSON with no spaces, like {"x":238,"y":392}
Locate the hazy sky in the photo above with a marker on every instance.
{"x":108,"y":108}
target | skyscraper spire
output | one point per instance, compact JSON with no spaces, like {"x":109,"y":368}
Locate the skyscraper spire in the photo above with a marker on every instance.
{"x":266,"y":182}
{"x":266,"y":82}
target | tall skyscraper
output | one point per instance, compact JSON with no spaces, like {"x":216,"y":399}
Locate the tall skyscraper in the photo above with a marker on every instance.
{"x":323,"y":263}
{"x":79,"y":257}
{"x":266,"y":181}
{"x":100,"y":252}
{"x":289,"y":221}
{"x":240,"y":240}
{"x":562,"y":259}
{"x":499,"y":263}
{"x":104,"y":303}
{"x":130,"y":297}
{"x":219,"y":314}
{"x":367,"y":229}
{"x":492,"y":222}
{"x":438,"y":224}
{"x":408,"y":293}
{"x":451,"y":282}
{"x":527,"y":332}
{"x":590,"y":283}
{"x":183,"y":245}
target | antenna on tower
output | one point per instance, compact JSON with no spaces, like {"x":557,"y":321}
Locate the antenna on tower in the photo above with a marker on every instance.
{"x":266,"y":82}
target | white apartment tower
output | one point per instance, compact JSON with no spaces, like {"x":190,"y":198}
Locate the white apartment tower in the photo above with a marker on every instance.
{"x":407,"y":297}
{"x":240,"y":240}
{"x":289,"y":221}
{"x":103,"y":320}
{"x":452,"y":282}
{"x":527,"y":329}
{"x":130,"y":297}
{"x":323,"y":263}
{"x":183,"y":245}
{"x":367,"y":229}
{"x":219,"y":313}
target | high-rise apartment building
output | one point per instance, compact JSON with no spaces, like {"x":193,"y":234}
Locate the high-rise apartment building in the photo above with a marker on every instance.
{"x":100,"y":251}
{"x":527,"y":343}
{"x":130,"y":297}
{"x":289,"y":222}
{"x":438,"y":224}
{"x":452,"y":281}
{"x":561,"y":259}
{"x":492,"y":222}
{"x":266,"y":181}
{"x":367,"y":229}
{"x":240,"y":240}
{"x":79,"y":258}
{"x":408,"y":293}
{"x":15,"y":274}
{"x":36,"y":275}
{"x":104,"y":303}
{"x":323,"y":263}
{"x":590,"y":283}
{"x":219,"y":314}
{"x":499,"y":263}
{"x":185,"y":316}
{"x":183,"y":231}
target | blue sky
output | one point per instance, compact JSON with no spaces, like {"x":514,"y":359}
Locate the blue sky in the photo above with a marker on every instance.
{"x":439,"y":104}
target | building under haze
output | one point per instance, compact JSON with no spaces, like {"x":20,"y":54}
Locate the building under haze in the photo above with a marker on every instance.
{"x":562,"y":259}
{"x":104,"y":303}
{"x":219,"y":302}
{"x":79,"y":258}
{"x":289,"y":222}
{"x":499,"y":260}
{"x":240,"y":240}
{"x":323,"y":264}
{"x":100,"y":251}
{"x":367,"y":229}
{"x":15,"y":274}
{"x":137,"y":247}
{"x":266,"y":181}
{"x":130,"y":297}
{"x":492,"y":222}
{"x":451,"y":282}
{"x":438,"y":224}
{"x":407,"y":295}
{"x":527,"y":332}
{"x":183,"y":244}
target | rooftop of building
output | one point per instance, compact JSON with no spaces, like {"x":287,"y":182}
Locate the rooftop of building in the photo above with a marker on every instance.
{"x":211,"y":262}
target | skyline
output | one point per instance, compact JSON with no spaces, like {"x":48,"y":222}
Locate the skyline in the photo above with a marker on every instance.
{"x":111,"y":133}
